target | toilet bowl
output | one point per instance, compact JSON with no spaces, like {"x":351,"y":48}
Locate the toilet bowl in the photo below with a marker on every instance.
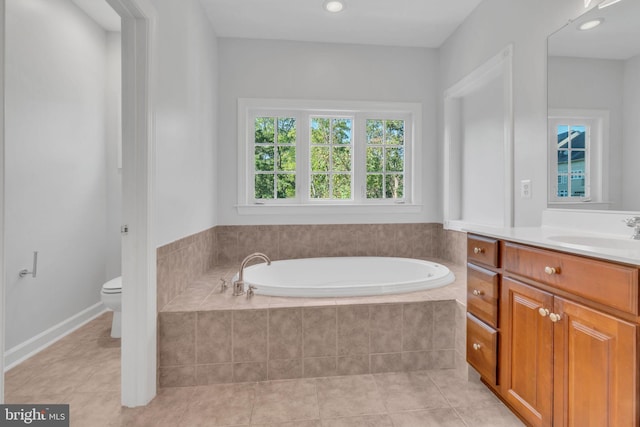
{"x":111,"y":295}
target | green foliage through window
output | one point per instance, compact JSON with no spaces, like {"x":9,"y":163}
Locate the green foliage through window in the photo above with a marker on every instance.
{"x":385,"y":159}
{"x":275,"y":158}
{"x":331,"y":158}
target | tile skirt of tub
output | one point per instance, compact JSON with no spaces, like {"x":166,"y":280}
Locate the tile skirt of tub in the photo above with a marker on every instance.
{"x":224,"y":346}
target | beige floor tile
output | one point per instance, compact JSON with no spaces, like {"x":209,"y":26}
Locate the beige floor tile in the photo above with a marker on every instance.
{"x":41,"y":398}
{"x":307,"y":423}
{"x":406,"y":391}
{"x":489,"y":416}
{"x":283,"y":401}
{"x":363,"y":421}
{"x":220,"y":405}
{"x":348,"y":396}
{"x":444,"y":417}
{"x":165,"y":410}
{"x":94,"y":409}
{"x":461,"y":392}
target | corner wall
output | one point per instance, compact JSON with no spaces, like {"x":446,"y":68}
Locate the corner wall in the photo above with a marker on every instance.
{"x":55,"y":168}
{"x":491,"y":26}
{"x":185,"y":121}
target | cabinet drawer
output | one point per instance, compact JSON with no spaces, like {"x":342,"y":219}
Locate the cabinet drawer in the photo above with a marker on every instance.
{"x":482,"y":348}
{"x":483,"y":250}
{"x":607,"y":283}
{"x":482,"y":294}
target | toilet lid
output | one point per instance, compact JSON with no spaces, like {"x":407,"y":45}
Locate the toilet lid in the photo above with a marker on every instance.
{"x":113,"y":286}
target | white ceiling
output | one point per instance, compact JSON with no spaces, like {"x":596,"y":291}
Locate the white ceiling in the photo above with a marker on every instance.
{"x":618,"y":37}
{"x":422,"y":23}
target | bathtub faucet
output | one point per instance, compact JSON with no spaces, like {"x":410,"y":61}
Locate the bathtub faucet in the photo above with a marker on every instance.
{"x":238,"y":285}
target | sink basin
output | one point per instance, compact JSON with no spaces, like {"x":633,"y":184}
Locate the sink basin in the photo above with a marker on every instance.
{"x":599,"y":242}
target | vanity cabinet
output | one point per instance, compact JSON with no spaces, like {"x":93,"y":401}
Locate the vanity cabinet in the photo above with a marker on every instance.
{"x":483,"y":291}
{"x":568,"y":338}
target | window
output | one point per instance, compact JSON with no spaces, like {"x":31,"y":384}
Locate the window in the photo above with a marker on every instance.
{"x":571,"y":157}
{"x":576,"y":150}
{"x":385,"y":159}
{"x":331,"y":158}
{"x":316,"y":153}
{"x":275,"y":157}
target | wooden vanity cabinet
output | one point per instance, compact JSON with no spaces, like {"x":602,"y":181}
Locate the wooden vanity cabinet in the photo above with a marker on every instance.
{"x":568,"y":338}
{"x":483,"y":292}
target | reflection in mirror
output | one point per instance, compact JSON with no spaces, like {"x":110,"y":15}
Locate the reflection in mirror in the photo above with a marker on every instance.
{"x":594,"y":108}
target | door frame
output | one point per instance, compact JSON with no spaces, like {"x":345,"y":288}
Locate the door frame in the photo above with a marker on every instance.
{"x":500,"y":66}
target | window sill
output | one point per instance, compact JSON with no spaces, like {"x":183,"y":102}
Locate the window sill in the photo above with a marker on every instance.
{"x":327,"y":209}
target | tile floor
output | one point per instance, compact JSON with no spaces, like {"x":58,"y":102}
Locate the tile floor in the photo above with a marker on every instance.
{"x":83,"y":370}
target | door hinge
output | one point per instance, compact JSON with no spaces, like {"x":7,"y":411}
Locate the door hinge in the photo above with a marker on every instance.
{"x":124,"y":229}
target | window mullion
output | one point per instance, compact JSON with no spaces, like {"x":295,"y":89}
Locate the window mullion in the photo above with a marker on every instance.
{"x":303,"y":155}
{"x":359,"y":167}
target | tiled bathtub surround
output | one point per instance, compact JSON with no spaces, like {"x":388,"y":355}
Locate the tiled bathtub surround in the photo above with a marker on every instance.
{"x":305,"y":241}
{"x":218,"y":338}
{"x":181,"y":262}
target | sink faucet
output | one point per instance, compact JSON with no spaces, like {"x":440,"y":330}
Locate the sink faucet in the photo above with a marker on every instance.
{"x":634,"y":222}
{"x":238,"y":285}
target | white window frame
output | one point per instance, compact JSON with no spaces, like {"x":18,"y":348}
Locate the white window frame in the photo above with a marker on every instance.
{"x":596,"y":145}
{"x":302,"y":111}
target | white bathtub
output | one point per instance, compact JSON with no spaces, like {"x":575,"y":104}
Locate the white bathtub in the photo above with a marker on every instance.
{"x":345,"y":276}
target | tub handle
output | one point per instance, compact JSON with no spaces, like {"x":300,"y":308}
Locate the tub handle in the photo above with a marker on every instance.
{"x":250,"y":291}
{"x":223,"y":286}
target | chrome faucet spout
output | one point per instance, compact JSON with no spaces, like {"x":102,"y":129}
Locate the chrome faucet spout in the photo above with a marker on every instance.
{"x":238,"y":285}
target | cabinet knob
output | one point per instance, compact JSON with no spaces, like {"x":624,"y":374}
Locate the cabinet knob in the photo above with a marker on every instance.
{"x":543,"y":312}
{"x":478,"y":251}
{"x":476,"y":346}
{"x":551,"y":270}
{"x":554,"y":317}
{"x":477,"y":292}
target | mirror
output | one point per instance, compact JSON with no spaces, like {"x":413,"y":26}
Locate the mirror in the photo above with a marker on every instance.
{"x":594,"y":108}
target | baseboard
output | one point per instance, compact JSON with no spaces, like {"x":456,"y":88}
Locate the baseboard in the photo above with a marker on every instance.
{"x":18,"y":354}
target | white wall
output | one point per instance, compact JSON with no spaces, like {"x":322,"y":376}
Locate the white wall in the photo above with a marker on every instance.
{"x":491,"y":26}
{"x":281,"y":69}
{"x":113,"y":133}
{"x":55,"y":164}
{"x":185,"y":120}
{"x":594,"y":84}
{"x":482,"y":146}
{"x":631,"y":148}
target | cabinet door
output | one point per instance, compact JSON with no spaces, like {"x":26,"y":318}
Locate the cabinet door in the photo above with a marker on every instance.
{"x":526,"y":351}
{"x":595,"y":368}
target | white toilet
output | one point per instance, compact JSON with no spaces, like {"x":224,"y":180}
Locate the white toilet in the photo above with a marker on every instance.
{"x":111,"y":295}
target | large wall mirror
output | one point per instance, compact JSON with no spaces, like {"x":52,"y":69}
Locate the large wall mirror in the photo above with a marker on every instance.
{"x":594,"y":109}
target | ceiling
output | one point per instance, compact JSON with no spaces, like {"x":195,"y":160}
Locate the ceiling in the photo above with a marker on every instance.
{"x":419,"y":23}
{"x":618,"y":37}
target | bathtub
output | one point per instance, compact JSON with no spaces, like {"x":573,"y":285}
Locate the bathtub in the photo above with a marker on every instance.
{"x":345,"y":276}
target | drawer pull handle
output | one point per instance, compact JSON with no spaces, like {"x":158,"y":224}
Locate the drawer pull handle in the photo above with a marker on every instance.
{"x":543,"y":312}
{"x":555,"y":317}
{"x":478,"y":251}
{"x":476,"y":346}
{"x":477,"y":292}
{"x":551,"y":270}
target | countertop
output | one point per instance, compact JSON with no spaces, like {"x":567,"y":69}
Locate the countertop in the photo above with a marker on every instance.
{"x":615,"y":248}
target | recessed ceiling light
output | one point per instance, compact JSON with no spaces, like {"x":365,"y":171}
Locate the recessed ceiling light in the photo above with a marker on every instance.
{"x":588,"y":25}
{"x":333,"y":6}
